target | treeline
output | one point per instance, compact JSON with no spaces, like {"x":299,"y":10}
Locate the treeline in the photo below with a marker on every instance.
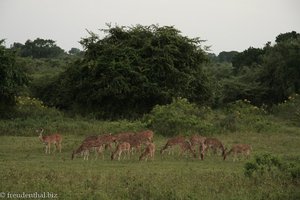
{"x":267,"y":75}
{"x":131,"y":69}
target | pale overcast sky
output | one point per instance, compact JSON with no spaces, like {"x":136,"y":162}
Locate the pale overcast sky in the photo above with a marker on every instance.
{"x":225,"y":24}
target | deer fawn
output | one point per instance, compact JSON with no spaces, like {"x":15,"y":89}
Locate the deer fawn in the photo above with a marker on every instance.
{"x":239,"y":149}
{"x":149,"y":152}
{"x":48,"y":139}
{"x":123,"y":147}
{"x":212,"y":143}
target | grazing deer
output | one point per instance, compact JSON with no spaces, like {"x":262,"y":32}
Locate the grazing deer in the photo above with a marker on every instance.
{"x":145,"y":136}
{"x":107,"y":140}
{"x":90,"y":138}
{"x":197,"y":140}
{"x":172,"y":142}
{"x":183,"y":144}
{"x":123,"y":137}
{"x":133,"y":139}
{"x":83,"y":150}
{"x":149,"y":151}
{"x":212,"y":143}
{"x":89,"y":145}
{"x":48,"y":139}
{"x":123,"y":147}
{"x":187,"y":147}
{"x":135,"y":144}
{"x":239,"y":149}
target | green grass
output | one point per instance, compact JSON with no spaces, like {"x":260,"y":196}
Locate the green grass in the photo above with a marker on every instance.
{"x":25,"y":168}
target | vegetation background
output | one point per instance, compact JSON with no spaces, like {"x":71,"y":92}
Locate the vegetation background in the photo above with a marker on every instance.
{"x":151,"y":77}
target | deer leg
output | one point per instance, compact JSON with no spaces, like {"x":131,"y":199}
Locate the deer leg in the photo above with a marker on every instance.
{"x":55,"y":147}
{"x":87,"y":154}
{"x":59,"y":147}
{"x":119,"y":154}
{"x":234,"y":157}
{"x":203,"y":149}
{"x":49,"y":148}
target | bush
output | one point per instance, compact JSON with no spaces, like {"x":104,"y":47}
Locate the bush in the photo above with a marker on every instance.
{"x":263,"y":164}
{"x":267,"y":164}
{"x":180,"y":117}
{"x":289,"y":109}
{"x":243,"y":116}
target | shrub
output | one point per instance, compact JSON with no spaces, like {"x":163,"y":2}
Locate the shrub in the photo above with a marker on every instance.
{"x":243,"y":116}
{"x":262,"y":164}
{"x":267,"y":164}
{"x":289,"y":109}
{"x":34,"y":108}
{"x":179,"y":117}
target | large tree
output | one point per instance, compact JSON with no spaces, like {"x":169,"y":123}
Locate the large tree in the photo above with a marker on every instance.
{"x":281,"y":68}
{"x":266,"y":76}
{"x":12,"y":77}
{"x":39,"y":48}
{"x":132,"y":69}
{"x":248,"y":58}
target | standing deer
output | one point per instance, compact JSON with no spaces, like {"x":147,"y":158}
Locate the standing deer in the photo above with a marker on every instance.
{"x":149,"y":151}
{"x":212,"y":143}
{"x":124,"y":148}
{"x":239,"y":149}
{"x":49,"y":139}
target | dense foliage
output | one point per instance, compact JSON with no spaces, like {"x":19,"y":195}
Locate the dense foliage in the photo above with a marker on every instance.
{"x":265,"y":76}
{"x":12,"y":77}
{"x":130,"y":70}
{"x":38,"y":48}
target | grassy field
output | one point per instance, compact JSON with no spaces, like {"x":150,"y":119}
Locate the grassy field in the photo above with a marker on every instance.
{"x":25,"y":168}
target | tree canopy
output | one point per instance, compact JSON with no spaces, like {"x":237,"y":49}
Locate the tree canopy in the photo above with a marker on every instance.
{"x":132,"y":69}
{"x":39,"y":48}
{"x":11,"y":78}
{"x":265,"y":76}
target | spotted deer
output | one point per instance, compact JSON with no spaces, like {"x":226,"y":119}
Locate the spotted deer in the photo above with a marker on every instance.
{"x":87,"y":146}
{"x":123,"y":137}
{"x":148,"y":152}
{"x":212,"y":143}
{"x":236,"y":149}
{"x":122,"y":148}
{"x":145,"y":136}
{"x":172,"y":142}
{"x":82,"y":150}
{"x":197,"y":140}
{"x":185,"y":146}
{"x":47,"y":140}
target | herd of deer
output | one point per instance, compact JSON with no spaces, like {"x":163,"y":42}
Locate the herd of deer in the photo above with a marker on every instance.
{"x":129,"y":143}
